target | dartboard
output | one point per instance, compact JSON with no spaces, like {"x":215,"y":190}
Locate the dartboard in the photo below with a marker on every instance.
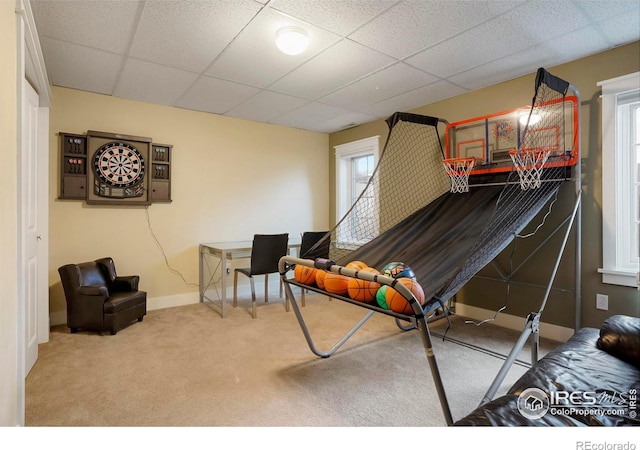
{"x":119,"y":164}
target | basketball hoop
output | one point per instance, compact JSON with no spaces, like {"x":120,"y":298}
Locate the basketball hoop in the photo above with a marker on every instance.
{"x":458,"y":170}
{"x":529,"y":164}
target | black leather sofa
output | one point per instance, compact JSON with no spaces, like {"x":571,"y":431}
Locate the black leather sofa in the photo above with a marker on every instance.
{"x":592,"y":379}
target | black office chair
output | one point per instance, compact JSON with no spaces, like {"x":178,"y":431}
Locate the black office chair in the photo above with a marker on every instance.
{"x":266,"y":251}
{"x":314,"y":244}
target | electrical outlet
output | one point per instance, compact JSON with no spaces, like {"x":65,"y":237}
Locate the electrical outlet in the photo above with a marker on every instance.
{"x":602,"y":301}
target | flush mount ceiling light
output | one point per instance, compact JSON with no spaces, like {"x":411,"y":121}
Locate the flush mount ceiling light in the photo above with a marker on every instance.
{"x":292,"y":40}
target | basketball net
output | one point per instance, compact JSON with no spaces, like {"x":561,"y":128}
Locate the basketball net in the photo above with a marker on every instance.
{"x":458,"y":170}
{"x":529,"y":164}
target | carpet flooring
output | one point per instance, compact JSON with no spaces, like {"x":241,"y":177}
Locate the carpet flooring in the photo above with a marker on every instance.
{"x":186,"y":366}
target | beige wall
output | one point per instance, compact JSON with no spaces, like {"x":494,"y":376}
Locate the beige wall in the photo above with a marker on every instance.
{"x":231,"y":178}
{"x":584,"y":74}
{"x":8,"y":223}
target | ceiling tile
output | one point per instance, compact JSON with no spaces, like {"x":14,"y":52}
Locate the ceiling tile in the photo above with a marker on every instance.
{"x":379,"y":86}
{"x":189,"y":34}
{"x":214,"y":95}
{"x":577,"y":44}
{"x":335,"y":67}
{"x":152,"y":83}
{"x":621,"y":29}
{"x":544,"y":20}
{"x":601,"y":10}
{"x":78,"y":67}
{"x":412,"y":26}
{"x":105,"y":25}
{"x":473,"y":48}
{"x":266,"y":106}
{"x":339,"y":16}
{"x":511,"y":66}
{"x":310,"y":115}
{"x":253,"y":57}
{"x":342,"y":122}
{"x":421,"y":96}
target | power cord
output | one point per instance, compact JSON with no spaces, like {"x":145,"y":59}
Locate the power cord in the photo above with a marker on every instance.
{"x":513,"y":251}
{"x":155,"y":239}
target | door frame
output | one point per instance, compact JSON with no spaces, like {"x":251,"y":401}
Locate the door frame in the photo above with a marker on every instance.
{"x":30,"y":66}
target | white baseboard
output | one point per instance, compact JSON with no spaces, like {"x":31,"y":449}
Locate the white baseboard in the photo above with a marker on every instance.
{"x":547,"y":330}
{"x":170,"y":301}
{"x":188,"y":298}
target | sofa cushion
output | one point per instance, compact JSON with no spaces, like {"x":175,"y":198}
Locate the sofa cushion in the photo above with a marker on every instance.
{"x":91,"y":275}
{"x":121,"y":301}
{"x":620,"y":336}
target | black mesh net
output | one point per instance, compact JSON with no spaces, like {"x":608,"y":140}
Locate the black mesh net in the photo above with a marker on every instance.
{"x":408,"y":176}
{"x":407,"y":213}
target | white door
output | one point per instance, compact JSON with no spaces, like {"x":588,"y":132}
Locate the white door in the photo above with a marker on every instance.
{"x":29,"y":222}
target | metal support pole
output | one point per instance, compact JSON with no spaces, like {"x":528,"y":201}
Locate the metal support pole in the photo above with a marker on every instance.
{"x":435,"y":372}
{"x":307,"y":334}
{"x":578,"y":191}
{"x":506,"y":366}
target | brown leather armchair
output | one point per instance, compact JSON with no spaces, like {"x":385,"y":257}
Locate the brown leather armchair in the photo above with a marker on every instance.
{"x":98,"y":299}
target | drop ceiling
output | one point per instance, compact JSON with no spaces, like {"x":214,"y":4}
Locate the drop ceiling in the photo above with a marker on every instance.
{"x":366,"y":60}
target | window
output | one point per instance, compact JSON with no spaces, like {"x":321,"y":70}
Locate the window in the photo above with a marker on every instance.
{"x":355,"y":163}
{"x":621,"y":180}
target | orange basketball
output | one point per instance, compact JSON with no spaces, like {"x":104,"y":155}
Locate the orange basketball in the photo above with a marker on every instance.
{"x":305,"y":275}
{"x":398,"y":303}
{"x":336,"y":284}
{"x":356,"y":265}
{"x":363,"y":290}
{"x":320,"y":274}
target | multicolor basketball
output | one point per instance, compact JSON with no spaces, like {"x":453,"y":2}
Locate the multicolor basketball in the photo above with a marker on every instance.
{"x":381,"y":297}
{"x":305,"y":275}
{"x":320,"y":274}
{"x":363,"y":290}
{"x":396,"y":300}
{"x":356,"y":265}
{"x":398,"y":270}
{"x":336,"y":284}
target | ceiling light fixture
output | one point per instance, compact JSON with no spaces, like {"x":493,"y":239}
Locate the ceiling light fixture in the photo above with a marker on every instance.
{"x":292,"y":40}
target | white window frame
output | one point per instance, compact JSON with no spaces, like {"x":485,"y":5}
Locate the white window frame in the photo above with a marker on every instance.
{"x":344,"y":154}
{"x":621,"y":263}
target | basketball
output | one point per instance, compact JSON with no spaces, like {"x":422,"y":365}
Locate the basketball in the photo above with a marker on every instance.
{"x":320,"y":274}
{"x":336,"y":284}
{"x":381,"y":297}
{"x":305,"y":275}
{"x":398,"y":270}
{"x":363,"y":290}
{"x":398,"y":303}
{"x":356,"y":265}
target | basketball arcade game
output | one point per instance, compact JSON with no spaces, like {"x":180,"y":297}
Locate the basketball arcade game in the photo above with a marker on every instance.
{"x":529,"y":139}
{"x":456,"y":220}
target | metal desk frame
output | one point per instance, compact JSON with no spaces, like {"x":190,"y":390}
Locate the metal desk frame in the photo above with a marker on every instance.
{"x":224,"y":252}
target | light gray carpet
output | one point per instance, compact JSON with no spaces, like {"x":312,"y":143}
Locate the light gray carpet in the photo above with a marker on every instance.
{"x":186,"y":366}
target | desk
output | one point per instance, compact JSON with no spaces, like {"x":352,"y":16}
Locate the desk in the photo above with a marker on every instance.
{"x":217,"y":278}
